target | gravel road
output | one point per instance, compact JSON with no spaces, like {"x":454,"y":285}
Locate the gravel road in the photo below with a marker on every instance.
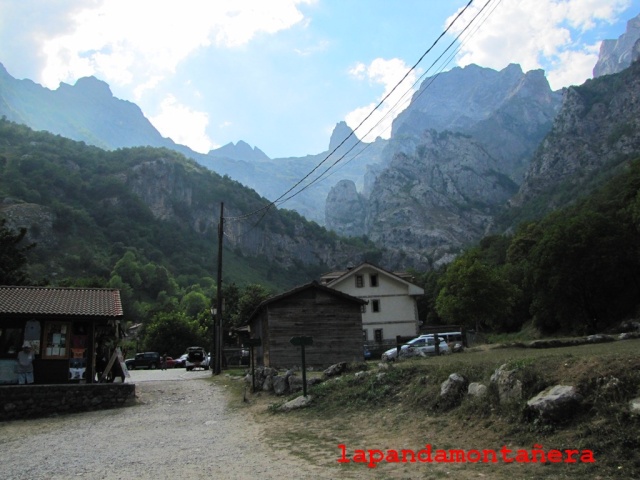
{"x":180,"y":429}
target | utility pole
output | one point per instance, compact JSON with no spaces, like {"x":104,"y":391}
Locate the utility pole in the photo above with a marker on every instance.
{"x":217,"y":326}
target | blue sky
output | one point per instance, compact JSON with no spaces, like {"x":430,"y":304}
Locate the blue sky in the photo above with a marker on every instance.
{"x":279,"y":74}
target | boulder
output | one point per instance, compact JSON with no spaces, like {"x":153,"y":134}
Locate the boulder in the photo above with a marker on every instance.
{"x":280,"y":385}
{"x":298,"y":402}
{"x":509,"y":387}
{"x":453,"y":388}
{"x":599,"y":338}
{"x":267,"y":385}
{"x":477,"y":389}
{"x":336,"y":369}
{"x":295,"y":383}
{"x":555,"y":403}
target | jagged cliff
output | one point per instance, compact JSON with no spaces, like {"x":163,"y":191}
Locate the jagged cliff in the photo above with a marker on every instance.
{"x":456,"y":155}
{"x":616,"y":55}
{"x":597,"y":129}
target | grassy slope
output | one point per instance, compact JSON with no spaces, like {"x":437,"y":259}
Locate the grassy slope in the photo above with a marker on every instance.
{"x":400,"y":410}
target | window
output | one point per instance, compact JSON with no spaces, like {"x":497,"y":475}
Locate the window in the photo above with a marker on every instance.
{"x":365,"y":337}
{"x":377,"y":333}
{"x":375,"y":306}
{"x":373,"y":280}
{"x":359,"y":281}
{"x":363,"y":308}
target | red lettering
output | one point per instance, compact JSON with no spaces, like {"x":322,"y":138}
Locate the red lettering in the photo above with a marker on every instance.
{"x":360,"y":456}
{"x":554,"y":456}
{"x":476,"y":456}
{"x":587,"y":457}
{"x":570,"y":454}
{"x":404,"y":456}
{"x":441,"y":456}
{"x":485,"y":456}
{"x":343,"y":458}
{"x":504,"y":451}
{"x":375,"y":456}
{"x":426,"y":451}
{"x":392,"y":456}
{"x":456,"y":456}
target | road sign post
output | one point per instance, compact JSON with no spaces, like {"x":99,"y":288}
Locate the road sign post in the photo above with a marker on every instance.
{"x":302,"y":342}
{"x":253,"y":342}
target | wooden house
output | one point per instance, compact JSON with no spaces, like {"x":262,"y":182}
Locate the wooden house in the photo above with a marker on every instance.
{"x":333,"y":320}
{"x":66,"y":327}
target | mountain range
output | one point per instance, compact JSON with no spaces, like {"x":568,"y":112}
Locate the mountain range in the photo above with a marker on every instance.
{"x":476,"y":151}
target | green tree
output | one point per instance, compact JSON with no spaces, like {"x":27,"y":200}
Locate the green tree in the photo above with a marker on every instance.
{"x":172,"y":333}
{"x":584,"y":272}
{"x":193,"y":303}
{"x":252,"y":295}
{"x":13,"y":255}
{"x":475,"y":294}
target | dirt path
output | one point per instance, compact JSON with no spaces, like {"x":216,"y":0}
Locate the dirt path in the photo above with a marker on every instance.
{"x":181,"y":428}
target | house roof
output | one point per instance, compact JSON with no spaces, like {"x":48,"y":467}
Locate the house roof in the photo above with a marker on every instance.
{"x":81,"y":302}
{"x":332,"y":278}
{"x":301,"y":288}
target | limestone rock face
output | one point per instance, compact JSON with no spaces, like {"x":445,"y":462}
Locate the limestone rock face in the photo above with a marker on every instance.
{"x":441,"y":197}
{"x":598,"y":128}
{"x":345,"y":210}
{"x":616,"y":55}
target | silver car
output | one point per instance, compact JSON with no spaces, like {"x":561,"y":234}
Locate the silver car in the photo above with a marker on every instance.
{"x":418,"y":347}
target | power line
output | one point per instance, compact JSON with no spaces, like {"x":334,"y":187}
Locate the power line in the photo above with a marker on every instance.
{"x":420,"y":93}
{"x":352,"y":133}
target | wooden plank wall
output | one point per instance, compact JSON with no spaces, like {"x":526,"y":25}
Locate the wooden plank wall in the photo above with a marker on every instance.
{"x":334,"y":323}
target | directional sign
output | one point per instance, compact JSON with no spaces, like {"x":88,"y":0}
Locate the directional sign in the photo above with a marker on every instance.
{"x":301,"y":341}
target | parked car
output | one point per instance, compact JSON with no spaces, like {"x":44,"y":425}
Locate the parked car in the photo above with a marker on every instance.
{"x":150,"y":360}
{"x":181,"y":361}
{"x":196,"y":358}
{"x":420,"y":346}
{"x":169,"y":362}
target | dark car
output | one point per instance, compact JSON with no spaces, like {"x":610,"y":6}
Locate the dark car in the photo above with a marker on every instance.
{"x":150,"y":360}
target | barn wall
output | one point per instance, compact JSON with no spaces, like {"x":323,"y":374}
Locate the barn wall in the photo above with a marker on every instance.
{"x":334,"y":323}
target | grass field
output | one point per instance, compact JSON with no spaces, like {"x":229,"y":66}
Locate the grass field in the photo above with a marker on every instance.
{"x":401,"y":410}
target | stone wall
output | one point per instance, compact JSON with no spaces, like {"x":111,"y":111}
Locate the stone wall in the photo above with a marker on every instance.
{"x":30,"y":401}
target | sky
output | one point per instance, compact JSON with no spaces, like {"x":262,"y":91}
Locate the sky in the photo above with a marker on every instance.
{"x":280,"y":74}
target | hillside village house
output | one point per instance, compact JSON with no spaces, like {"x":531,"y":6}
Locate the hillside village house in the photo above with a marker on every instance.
{"x":333,"y":319}
{"x":65,"y":327}
{"x":391,"y":309}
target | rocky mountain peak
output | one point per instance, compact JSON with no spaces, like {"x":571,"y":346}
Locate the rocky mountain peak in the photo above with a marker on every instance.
{"x":240,"y":151}
{"x":89,"y":87}
{"x":616,"y":55}
{"x":340,"y":133}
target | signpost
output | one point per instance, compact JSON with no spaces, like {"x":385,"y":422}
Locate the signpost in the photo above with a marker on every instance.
{"x":302,"y":342}
{"x":253,"y":342}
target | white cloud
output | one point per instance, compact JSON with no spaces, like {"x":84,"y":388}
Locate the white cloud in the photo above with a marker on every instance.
{"x":183,"y":125}
{"x":120,"y":40}
{"x":535,"y":34}
{"x":387,"y":73}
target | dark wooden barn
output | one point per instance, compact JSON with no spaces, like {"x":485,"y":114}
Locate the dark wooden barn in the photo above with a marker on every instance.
{"x":66,"y":328}
{"x":332,"y":318}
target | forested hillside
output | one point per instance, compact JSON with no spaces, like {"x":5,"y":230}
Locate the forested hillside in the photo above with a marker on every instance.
{"x":575,"y":271}
{"x":145,"y":220}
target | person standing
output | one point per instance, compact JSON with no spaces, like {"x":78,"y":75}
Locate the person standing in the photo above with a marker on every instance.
{"x":25,"y":364}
